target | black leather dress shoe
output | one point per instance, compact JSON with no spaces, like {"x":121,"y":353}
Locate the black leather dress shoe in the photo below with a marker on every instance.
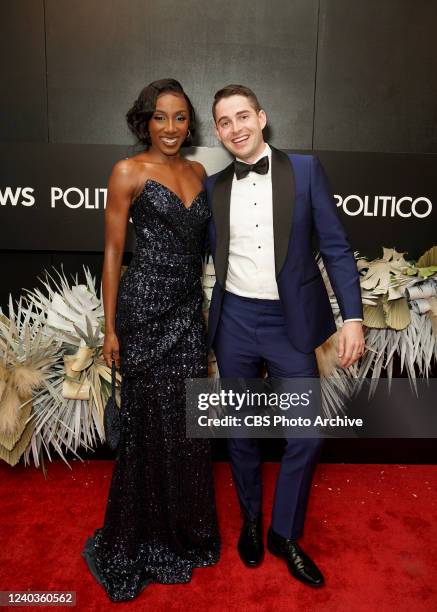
{"x":250,"y":543}
{"x":299,"y":564}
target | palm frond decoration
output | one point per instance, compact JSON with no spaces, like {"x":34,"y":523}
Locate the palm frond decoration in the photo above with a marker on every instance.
{"x":415,"y":346}
{"x":67,"y":413}
{"x":72,"y":313}
{"x":396,"y":313}
{"x":28,"y":375}
{"x":427,"y":260}
{"x":393,"y":323}
{"x":432,"y":313}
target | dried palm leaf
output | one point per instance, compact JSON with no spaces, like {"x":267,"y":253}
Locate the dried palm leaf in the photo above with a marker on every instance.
{"x":374,"y":316}
{"x":9,"y":439}
{"x":12,"y":452}
{"x":415,"y":345}
{"x":70,"y":313}
{"x":397,"y":313}
{"x":28,"y":360}
{"x":432,"y":314}
{"x":429,"y":258}
{"x":377,"y":277}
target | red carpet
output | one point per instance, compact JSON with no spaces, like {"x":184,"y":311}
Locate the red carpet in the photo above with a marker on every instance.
{"x":371,"y":528}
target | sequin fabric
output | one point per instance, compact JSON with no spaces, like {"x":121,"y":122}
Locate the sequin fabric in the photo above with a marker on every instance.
{"x":160,"y":519}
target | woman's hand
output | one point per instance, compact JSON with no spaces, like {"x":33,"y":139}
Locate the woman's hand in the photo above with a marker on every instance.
{"x":111,"y":349}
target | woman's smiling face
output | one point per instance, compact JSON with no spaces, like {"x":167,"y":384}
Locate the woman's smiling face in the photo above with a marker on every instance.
{"x":169,"y":124}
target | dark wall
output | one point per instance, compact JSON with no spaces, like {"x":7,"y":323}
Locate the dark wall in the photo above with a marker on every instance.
{"x":23,"y":101}
{"x":375,"y":85}
{"x":100,"y":54}
{"x":331,"y":74}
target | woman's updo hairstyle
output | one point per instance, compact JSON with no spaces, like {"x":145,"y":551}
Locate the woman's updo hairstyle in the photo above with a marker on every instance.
{"x":139,"y":115}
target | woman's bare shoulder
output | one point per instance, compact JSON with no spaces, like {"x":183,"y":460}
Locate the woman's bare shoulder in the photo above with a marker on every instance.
{"x":130,"y":170}
{"x":130,"y":165}
{"x":198,"y":169}
{"x":124,"y":168}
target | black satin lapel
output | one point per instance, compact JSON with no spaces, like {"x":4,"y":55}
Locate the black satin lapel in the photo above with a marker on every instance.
{"x":283,"y":193}
{"x":221,"y":205}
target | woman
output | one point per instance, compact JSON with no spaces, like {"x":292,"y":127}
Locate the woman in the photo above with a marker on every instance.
{"x":160,"y":520}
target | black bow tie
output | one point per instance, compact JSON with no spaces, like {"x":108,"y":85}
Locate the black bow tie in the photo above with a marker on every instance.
{"x":242,"y":169}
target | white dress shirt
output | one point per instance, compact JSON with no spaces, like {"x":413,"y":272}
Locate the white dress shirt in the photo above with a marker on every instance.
{"x":251,"y":263}
{"x":251,"y":269}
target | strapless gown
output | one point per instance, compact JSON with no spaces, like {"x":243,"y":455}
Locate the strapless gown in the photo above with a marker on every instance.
{"x":160,"y":519}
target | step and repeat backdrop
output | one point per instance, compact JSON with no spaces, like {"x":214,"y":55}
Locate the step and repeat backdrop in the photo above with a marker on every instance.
{"x":351,"y":83}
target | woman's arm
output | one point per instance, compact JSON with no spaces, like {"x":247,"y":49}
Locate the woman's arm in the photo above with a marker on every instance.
{"x":121,"y":187}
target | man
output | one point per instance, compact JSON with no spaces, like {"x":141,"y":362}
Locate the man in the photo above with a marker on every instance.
{"x":269,"y":306}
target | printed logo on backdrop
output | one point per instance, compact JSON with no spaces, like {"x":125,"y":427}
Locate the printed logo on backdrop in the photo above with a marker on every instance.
{"x":72,"y":197}
{"x":17,"y":196}
{"x":385,"y":206}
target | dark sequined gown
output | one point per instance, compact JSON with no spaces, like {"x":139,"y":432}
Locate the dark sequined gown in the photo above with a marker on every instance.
{"x":160,"y":519}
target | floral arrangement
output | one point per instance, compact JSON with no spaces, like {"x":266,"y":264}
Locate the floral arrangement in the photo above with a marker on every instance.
{"x":54,"y":382}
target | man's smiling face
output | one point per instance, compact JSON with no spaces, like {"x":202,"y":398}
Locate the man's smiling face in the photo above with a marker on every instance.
{"x":239,"y":127}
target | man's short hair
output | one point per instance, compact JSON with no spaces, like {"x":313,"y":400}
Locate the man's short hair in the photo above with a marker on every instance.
{"x":235,"y":90}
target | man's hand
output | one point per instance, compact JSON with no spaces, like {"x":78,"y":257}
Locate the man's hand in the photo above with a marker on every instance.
{"x":350,"y":343}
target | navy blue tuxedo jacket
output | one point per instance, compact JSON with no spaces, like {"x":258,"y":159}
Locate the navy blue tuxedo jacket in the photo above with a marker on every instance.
{"x":302,"y":207}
